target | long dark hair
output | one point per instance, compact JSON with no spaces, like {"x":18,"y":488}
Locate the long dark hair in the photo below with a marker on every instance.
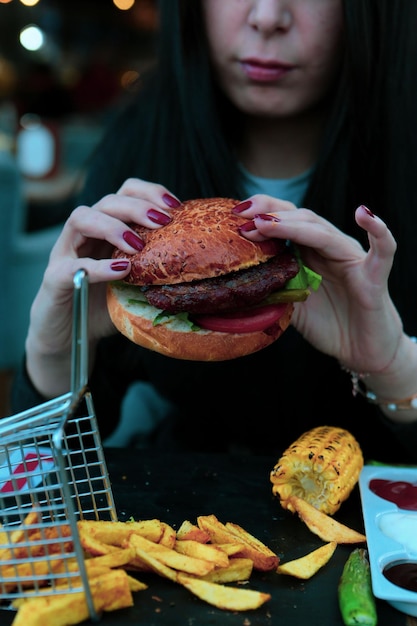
{"x":180,"y":131}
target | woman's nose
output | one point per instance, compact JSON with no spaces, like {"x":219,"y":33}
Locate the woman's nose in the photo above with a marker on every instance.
{"x":270,"y":15}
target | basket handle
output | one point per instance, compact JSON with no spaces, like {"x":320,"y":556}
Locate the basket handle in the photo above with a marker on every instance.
{"x":79,"y":362}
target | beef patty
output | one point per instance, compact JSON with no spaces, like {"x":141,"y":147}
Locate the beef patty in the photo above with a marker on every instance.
{"x":225,"y":293}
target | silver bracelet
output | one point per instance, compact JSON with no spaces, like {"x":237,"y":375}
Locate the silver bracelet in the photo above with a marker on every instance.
{"x":359,"y":388}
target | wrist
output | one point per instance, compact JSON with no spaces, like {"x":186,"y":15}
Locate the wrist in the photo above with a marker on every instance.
{"x":50,"y":370}
{"x":49,"y":374}
{"x":393,"y":389}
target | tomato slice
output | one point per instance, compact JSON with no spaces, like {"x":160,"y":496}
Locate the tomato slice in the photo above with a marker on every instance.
{"x":247,"y":321}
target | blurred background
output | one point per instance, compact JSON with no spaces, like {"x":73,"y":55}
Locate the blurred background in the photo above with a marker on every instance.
{"x":65,"y":67}
{"x":73,"y":57}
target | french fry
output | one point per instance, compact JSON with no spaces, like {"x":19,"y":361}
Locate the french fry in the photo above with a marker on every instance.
{"x":215,"y":529}
{"x":94,"y":546}
{"x":20,"y":533}
{"x":239,"y":569}
{"x":202,"y":557}
{"x":115,"y":533}
{"x":155,"y":565}
{"x":190,"y":531}
{"x":28,"y":574}
{"x":324,"y":526}
{"x":110,"y":592}
{"x":306,"y":566}
{"x":206,"y":551}
{"x":4,"y":536}
{"x":93,"y":571}
{"x":118,"y":558}
{"x":17,"y":536}
{"x":169,"y":536}
{"x":223,"y":597}
{"x":94,"y":568}
{"x":171,"y":558}
{"x":43,"y":541}
{"x":263,"y":558}
{"x":231,"y":549}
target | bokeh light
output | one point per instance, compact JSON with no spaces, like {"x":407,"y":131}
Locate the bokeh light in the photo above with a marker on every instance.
{"x":124,"y":5}
{"x":29,"y":3}
{"x":31,"y":37}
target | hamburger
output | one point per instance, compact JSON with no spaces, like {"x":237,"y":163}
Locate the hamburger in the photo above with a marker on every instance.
{"x":201,"y":291}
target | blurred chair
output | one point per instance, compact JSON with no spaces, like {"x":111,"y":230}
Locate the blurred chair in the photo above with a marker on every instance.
{"x":78,"y":141}
{"x":23,"y":258}
{"x":142,"y":410}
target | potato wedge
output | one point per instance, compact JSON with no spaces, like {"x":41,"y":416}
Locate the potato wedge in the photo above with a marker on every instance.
{"x":110,"y":592}
{"x":115,"y":533}
{"x":322,"y":525}
{"x":222,"y":596}
{"x":239,"y":569}
{"x":20,"y":534}
{"x":28,"y":573}
{"x":215,"y":529}
{"x":202,"y":557}
{"x":44,"y":541}
{"x":154,"y":565}
{"x":190,"y":531}
{"x":231,"y":549}
{"x":31,"y":519}
{"x":306,"y":566}
{"x":263,"y":558}
{"x":94,"y":546}
{"x":97,"y":569}
{"x":206,"y":551}
{"x":118,"y":558}
{"x":168,"y":537}
{"x":171,"y":558}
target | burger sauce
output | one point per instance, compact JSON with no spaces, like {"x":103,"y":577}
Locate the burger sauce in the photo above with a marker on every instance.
{"x":403,"y":575}
{"x":400,"y":492}
{"x":400,"y":527}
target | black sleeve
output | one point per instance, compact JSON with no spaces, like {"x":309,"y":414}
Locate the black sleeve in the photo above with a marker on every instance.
{"x":117,"y":364}
{"x":404,"y":433}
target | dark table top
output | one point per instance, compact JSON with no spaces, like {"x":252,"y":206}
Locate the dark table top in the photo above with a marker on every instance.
{"x":173,"y":488}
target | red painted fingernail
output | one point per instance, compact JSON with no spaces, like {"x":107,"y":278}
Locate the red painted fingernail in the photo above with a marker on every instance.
{"x":368,"y":211}
{"x":247,"y":227}
{"x":157,"y":217}
{"x":133,"y":240}
{"x":242,"y":206}
{"x":119,"y":266}
{"x":170,"y":201}
{"x":267,"y":217}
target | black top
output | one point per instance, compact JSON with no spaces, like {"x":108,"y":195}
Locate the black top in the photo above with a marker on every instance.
{"x":260,"y":403}
{"x":257,"y":404}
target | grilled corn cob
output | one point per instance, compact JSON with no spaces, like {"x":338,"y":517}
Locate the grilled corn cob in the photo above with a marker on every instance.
{"x":322,"y":467}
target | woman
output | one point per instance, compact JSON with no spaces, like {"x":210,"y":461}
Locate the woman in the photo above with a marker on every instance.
{"x":283,"y":104}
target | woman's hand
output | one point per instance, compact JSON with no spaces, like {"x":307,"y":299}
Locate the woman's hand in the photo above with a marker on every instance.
{"x":351,"y":316}
{"x":86,"y":241}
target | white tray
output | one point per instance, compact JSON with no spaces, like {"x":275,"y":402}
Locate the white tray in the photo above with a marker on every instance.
{"x":384,"y":550}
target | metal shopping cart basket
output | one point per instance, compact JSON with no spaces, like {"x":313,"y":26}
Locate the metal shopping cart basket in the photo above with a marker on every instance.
{"x":52,"y":474}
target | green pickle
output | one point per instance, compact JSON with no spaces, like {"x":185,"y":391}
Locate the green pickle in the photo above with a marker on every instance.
{"x":287,"y":295}
{"x":356,"y":601}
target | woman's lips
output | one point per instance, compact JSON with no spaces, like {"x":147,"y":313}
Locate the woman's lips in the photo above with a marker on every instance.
{"x":264,"y":71}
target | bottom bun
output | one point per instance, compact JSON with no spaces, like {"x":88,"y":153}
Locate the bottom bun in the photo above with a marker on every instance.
{"x":133,"y":317}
